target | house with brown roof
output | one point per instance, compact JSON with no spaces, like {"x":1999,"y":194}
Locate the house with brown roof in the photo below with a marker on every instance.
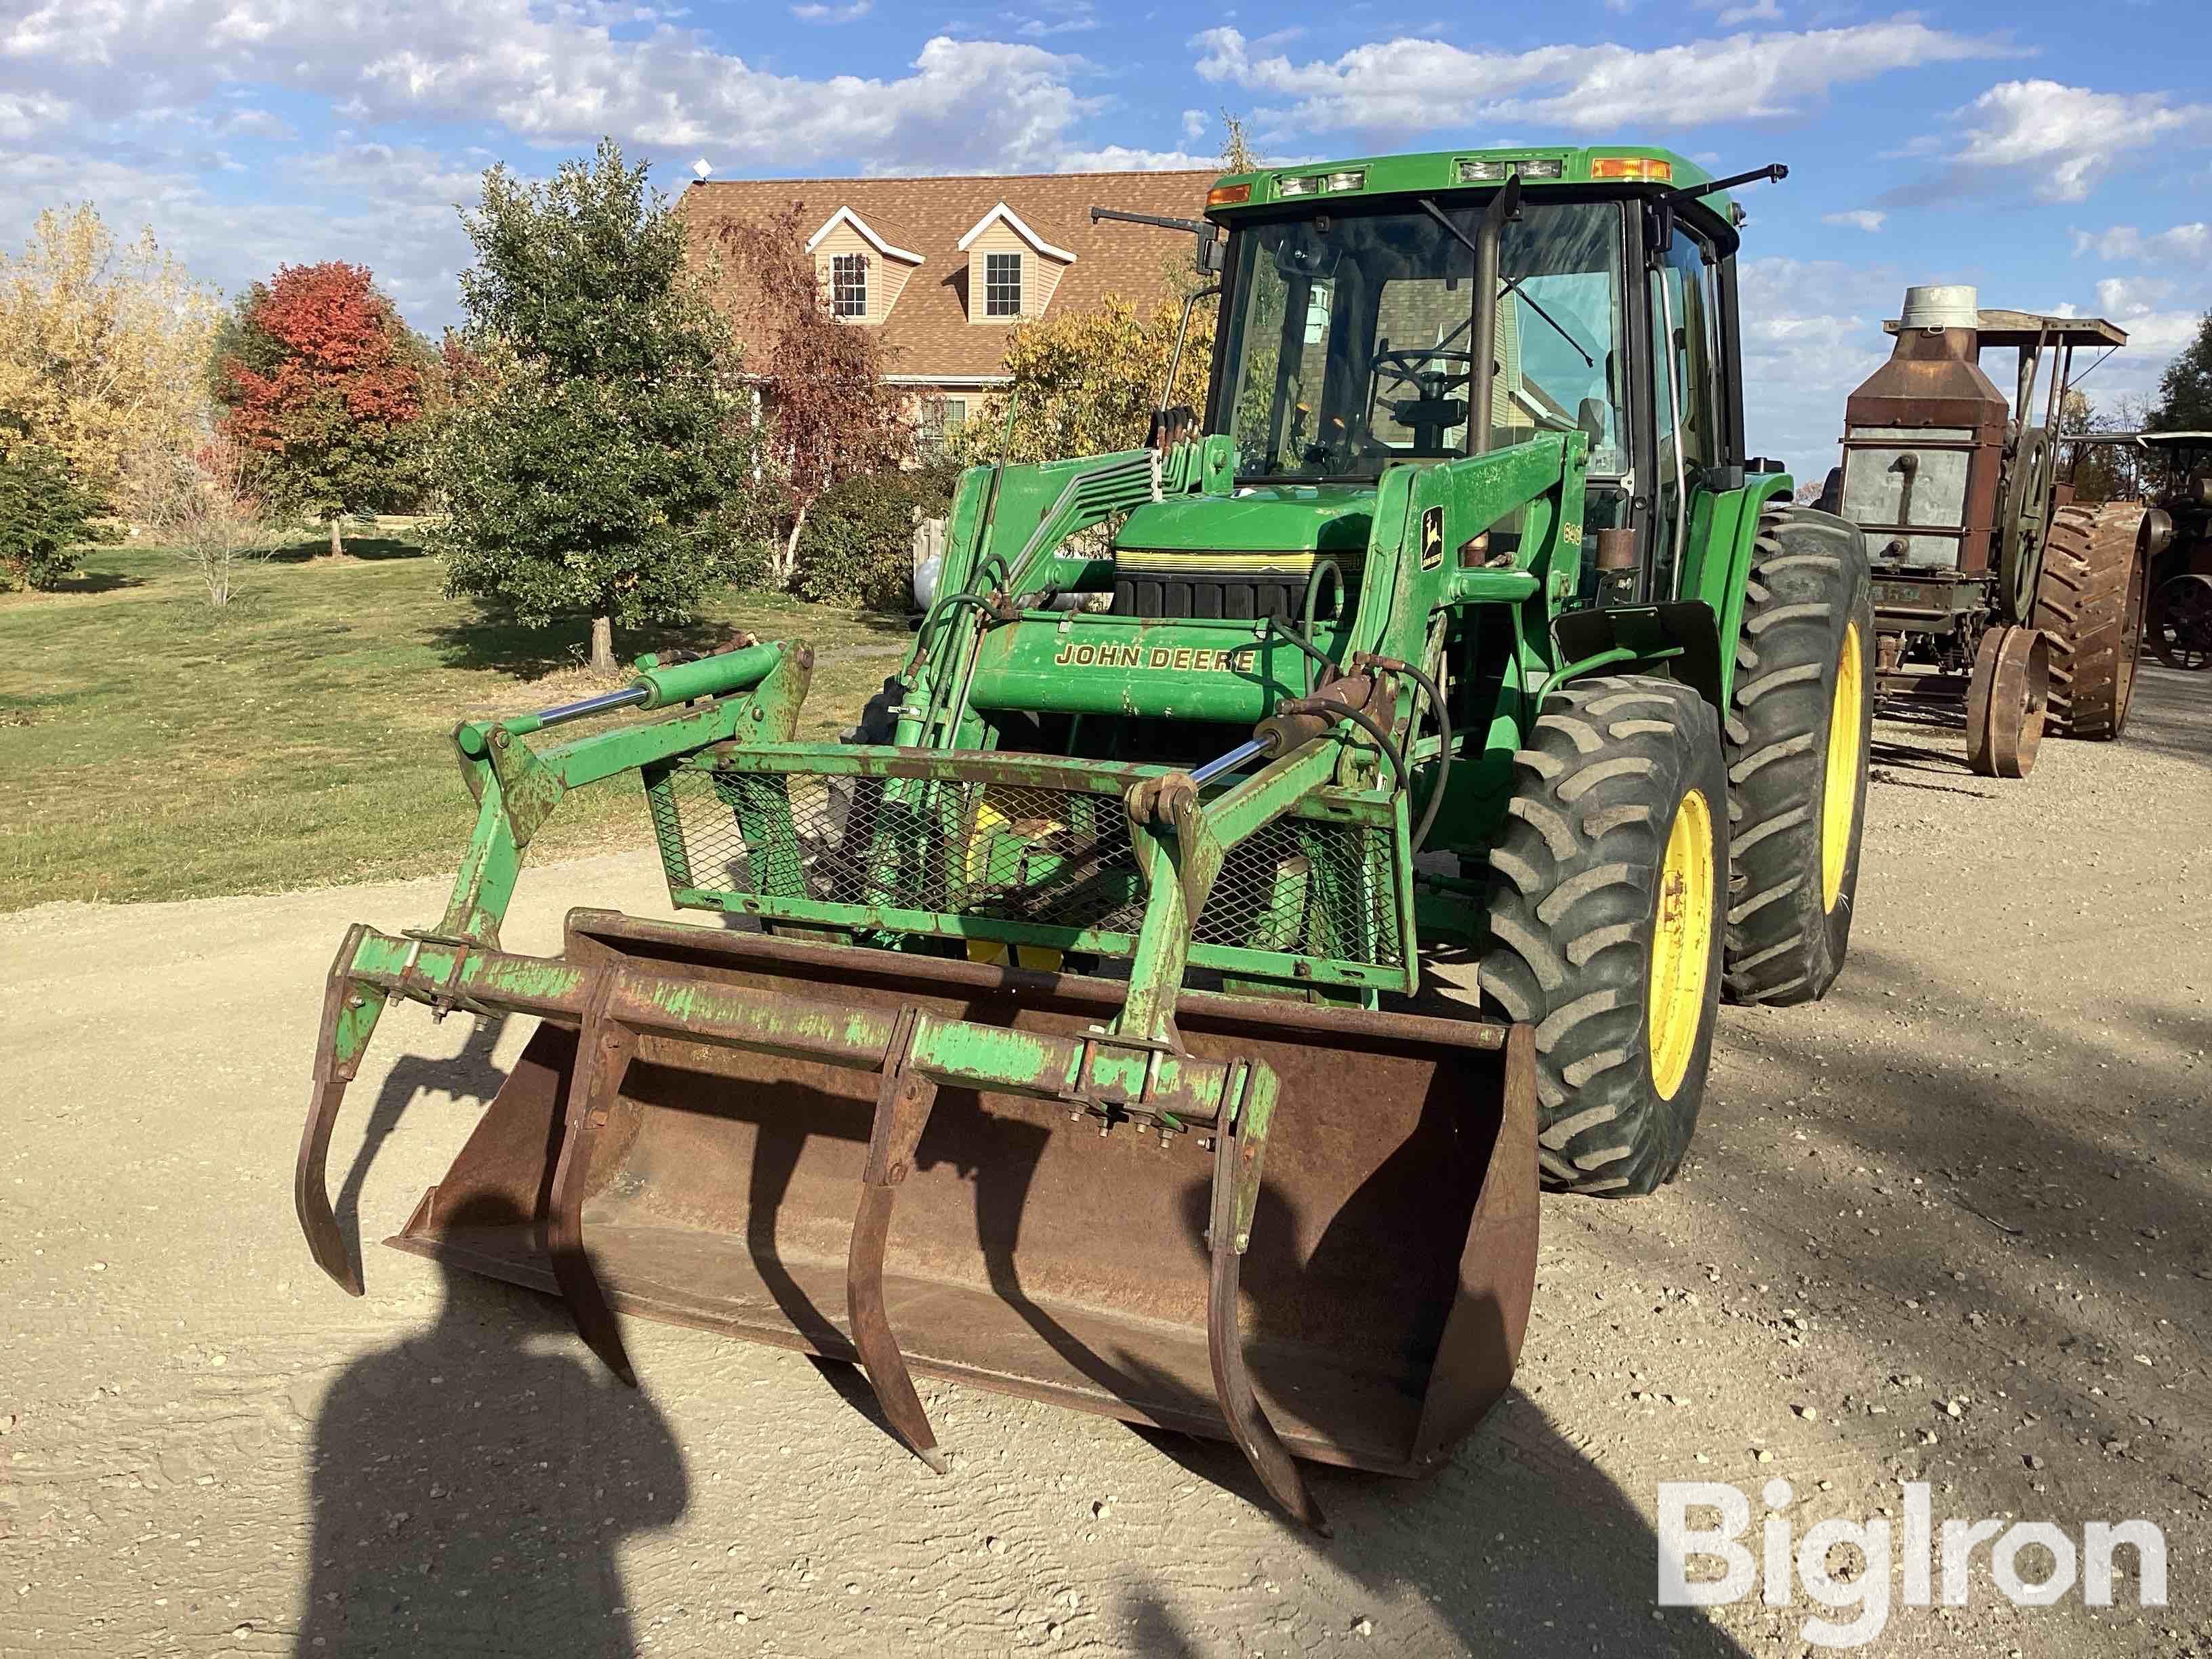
{"x":944,"y":266}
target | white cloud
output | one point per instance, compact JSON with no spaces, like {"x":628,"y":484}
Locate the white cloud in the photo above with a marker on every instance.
{"x":2126,"y":243}
{"x":1061,"y":17}
{"x":1758,"y":11}
{"x":821,"y":14}
{"x":1866,"y":219}
{"x":2063,"y":137}
{"x":2116,"y":295}
{"x":1194,"y":124}
{"x":1812,"y":332}
{"x":255,"y":123}
{"x":554,"y":79}
{"x":2155,"y":329}
{"x":22,"y":114}
{"x":397,"y":216}
{"x":1405,"y":84}
{"x":1120,"y":158}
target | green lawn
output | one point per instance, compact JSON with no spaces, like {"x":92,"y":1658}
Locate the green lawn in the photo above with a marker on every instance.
{"x":154,"y":748}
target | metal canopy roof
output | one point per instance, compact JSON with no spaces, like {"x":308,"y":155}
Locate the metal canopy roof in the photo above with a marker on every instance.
{"x":2143,"y":439}
{"x":2026,"y":328}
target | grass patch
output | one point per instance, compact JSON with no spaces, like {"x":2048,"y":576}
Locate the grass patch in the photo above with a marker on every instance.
{"x":158,"y":748}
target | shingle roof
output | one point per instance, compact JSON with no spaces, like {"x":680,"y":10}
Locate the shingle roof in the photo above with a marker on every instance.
{"x":928,"y":330}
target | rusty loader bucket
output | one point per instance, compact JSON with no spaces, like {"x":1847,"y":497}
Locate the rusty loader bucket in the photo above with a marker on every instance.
{"x":1307,"y":1226}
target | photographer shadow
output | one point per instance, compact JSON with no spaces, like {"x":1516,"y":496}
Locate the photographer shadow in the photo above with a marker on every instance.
{"x":472,"y":1484}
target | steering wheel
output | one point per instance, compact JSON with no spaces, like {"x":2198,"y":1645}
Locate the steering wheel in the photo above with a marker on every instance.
{"x":1407,"y":368}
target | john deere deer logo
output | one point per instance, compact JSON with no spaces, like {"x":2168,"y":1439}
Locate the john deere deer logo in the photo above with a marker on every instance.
{"x":1433,"y":537}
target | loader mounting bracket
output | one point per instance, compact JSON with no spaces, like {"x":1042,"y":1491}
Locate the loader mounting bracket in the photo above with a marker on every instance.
{"x":1681,"y":634}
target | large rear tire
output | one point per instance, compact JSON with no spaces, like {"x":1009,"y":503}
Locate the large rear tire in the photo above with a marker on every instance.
{"x":2090,"y":602}
{"x":1605,"y":919}
{"x":1800,"y":723}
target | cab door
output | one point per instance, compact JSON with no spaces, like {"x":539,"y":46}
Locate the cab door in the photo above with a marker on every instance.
{"x":1686,"y":394}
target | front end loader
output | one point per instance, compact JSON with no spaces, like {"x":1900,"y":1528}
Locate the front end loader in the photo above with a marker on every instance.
{"x":1074,"y":1029}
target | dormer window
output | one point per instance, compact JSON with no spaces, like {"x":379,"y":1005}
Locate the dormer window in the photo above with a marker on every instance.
{"x":1011,"y":271}
{"x":862,"y":270}
{"x":1002,"y":285}
{"x":848,"y":285}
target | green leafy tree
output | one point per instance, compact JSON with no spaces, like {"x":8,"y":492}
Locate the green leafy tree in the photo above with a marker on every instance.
{"x":1087,"y":382}
{"x":2185,"y":392}
{"x":596,"y":462}
{"x":858,"y":548}
{"x":46,"y":516}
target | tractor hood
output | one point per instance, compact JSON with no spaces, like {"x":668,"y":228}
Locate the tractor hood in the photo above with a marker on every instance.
{"x":1269,"y":519}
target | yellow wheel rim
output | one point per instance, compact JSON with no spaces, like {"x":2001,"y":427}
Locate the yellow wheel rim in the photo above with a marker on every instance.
{"x":1681,"y":943}
{"x":1839,"y":796}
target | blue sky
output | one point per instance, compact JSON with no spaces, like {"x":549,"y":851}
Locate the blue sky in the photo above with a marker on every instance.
{"x":2058,"y":156}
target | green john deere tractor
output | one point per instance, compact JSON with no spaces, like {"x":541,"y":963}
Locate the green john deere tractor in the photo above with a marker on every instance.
{"x":1068,"y":1017}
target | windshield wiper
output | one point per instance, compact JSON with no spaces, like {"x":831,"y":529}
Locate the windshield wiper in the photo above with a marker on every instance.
{"x":1512,"y":287}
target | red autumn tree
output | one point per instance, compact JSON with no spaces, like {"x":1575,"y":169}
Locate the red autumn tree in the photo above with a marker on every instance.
{"x":321,"y":383}
{"x":826,"y":411}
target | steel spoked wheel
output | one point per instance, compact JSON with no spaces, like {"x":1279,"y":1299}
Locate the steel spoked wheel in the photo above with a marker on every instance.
{"x":2180,"y":625}
{"x":2006,"y":701}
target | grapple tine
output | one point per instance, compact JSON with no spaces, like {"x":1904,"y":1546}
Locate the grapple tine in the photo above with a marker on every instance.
{"x":604,"y":1049}
{"x":349,"y":1015}
{"x":1237,"y":1154}
{"x":310,"y":1190}
{"x":902,"y":1108}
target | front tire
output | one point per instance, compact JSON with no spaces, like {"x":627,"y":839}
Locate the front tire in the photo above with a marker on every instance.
{"x":1604,"y":920}
{"x":1800,"y":723}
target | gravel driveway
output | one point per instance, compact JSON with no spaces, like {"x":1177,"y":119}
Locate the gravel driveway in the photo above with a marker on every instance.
{"x":1949,"y":1226}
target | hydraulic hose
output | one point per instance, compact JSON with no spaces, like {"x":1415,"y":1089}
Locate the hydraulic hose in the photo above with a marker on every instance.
{"x":1435,"y":696}
{"x":1277,"y":626}
{"x":1311,"y":608}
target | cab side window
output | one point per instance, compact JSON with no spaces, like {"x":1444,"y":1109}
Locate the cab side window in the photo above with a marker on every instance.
{"x":1685,"y":296}
{"x":1686,"y":396}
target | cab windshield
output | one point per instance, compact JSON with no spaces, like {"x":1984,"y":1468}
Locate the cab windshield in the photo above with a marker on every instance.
{"x":1350,"y":346}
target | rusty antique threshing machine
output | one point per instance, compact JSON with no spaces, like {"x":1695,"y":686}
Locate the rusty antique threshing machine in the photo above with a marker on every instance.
{"x":1990,"y":587}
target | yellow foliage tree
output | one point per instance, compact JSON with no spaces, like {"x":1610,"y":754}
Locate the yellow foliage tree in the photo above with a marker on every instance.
{"x":1086,"y":383}
{"x":103,"y":347}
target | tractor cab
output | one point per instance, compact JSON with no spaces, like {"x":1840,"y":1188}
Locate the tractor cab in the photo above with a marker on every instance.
{"x":1355,"y":338}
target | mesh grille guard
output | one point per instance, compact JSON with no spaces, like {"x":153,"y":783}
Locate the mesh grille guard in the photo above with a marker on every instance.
{"x":1024,"y":850}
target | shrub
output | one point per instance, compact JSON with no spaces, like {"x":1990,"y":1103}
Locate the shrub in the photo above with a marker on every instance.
{"x":857,"y":547}
{"x":195,"y":502}
{"x":45,"y":516}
